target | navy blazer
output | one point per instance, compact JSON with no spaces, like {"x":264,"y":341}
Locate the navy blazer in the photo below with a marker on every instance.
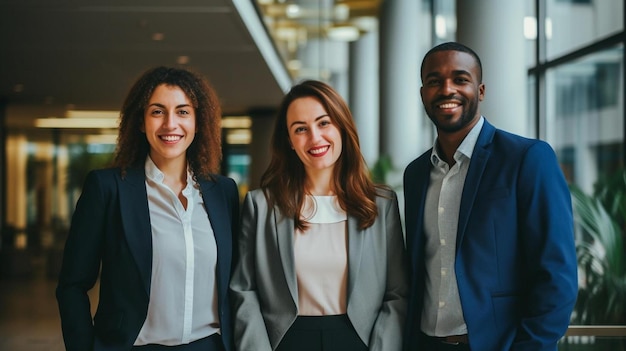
{"x":110,"y":234}
{"x":515,"y":257}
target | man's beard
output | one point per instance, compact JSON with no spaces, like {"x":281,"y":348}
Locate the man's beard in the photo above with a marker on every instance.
{"x":466,"y":118}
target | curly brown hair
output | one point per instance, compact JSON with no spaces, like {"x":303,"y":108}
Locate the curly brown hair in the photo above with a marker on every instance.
{"x":283,"y":181}
{"x":205,"y":152}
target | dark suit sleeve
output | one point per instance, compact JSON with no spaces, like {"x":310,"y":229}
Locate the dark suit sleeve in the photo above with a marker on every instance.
{"x":81,"y":263}
{"x":547,"y":239}
{"x":231,"y":193}
{"x":232,"y":196}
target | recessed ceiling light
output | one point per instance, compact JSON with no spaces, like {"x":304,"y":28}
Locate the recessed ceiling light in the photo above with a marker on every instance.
{"x":343,"y":33}
{"x":182,"y":60}
{"x":92,"y":114}
{"x":86,"y":123}
{"x":292,"y":11}
{"x":238,"y":136}
{"x":18,"y":88}
{"x":294,"y":65}
{"x":342,"y":12}
{"x":237,"y":122}
{"x":366,"y":23}
{"x":158,"y":36}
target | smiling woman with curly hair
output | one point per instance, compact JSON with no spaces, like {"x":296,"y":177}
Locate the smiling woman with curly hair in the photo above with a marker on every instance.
{"x":156,"y":228}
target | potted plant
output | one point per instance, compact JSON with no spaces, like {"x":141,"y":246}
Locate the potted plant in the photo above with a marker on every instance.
{"x":600,"y":222}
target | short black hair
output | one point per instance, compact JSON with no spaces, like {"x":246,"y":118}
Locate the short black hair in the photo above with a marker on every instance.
{"x":454,"y":46}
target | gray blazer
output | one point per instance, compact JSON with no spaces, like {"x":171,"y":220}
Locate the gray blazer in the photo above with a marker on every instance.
{"x":264,"y":291}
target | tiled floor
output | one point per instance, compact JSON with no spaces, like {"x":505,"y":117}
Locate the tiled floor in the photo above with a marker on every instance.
{"x":29,"y":318}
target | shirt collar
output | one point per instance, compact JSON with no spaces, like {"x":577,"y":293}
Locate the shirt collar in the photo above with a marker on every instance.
{"x":152,"y":171}
{"x":154,"y":174}
{"x":465,"y":149}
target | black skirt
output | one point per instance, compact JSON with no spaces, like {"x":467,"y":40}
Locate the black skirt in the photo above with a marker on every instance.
{"x":322,"y":333}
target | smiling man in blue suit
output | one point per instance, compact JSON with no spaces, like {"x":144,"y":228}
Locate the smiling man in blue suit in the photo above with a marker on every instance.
{"x":488,"y":223}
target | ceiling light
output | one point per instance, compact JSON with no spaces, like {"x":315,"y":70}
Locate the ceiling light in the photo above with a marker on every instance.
{"x":182,"y":60}
{"x":548,"y":28}
{"x":440,"y":26}
{"x":236,"y":122}
{"x":292,"y":11}
{"x":343,"y":33}
{"x":92,"y":114}
{"x":238,"y":136}
{"x":158,"y":36}
{"x":294,"y":65}
{"x":342,"y":12}
{"x":530,"y":28}
{"x":18,"y":88}
{"x":286,"y":33}
{"x":366,"y":23}
{"x":81,"y":123}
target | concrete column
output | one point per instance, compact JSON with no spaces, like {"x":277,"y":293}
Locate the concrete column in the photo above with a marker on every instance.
{"x":400,"y":81}
{"x":494,"y":29}
{"x":364,"y":93}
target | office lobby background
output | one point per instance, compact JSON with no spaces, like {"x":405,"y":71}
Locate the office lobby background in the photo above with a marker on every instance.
{"x":553,"y":69}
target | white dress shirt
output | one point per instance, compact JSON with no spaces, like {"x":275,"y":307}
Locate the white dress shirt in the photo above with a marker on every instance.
{"x":183,"y":295}
{"x":442,"y":314}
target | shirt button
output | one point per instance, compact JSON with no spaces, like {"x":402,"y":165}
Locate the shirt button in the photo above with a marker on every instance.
{"x":441,"y":210}
{"x":441,"y":304}
{"x":442,"y":242}
{"x":444,"y":272}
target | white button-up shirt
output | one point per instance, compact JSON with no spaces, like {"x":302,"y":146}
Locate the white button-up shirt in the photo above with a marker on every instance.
{"x":442,"y":314}
{"x":183,"y":295}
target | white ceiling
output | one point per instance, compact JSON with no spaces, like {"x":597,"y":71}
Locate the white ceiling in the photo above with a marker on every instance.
{"x":87,"y":53}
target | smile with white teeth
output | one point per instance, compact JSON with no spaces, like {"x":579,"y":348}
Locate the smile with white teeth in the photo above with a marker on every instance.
{"x":449,"y":105}
{"x":171,"y":137}
{"x":318,"y":151}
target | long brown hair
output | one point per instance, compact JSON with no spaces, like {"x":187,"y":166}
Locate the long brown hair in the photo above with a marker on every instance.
{"x":283,"y":180}
{"x":205,"y":152}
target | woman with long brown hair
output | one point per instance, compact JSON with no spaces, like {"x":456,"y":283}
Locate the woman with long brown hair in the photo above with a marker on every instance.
{"x":321,"y":248}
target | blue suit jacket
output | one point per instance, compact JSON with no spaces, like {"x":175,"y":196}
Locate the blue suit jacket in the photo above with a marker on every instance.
{"x":515,"y":257}
{"x":110,"y":233}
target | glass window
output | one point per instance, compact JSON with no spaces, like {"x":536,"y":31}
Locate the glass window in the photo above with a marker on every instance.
{"x":585,"y":115}
{"x":585,"y":124}
{"x":564,"y":32}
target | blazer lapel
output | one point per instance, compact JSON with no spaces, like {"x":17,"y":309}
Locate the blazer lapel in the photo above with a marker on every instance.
{"x":136,"y":221}
{"x":285,"y":230}
{"x":480,"y":156}
{"x":355,"y":250}
{"x":417,"y":188}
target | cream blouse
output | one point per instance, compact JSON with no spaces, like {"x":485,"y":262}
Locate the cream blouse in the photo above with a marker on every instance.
{"x":321,"y":258}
